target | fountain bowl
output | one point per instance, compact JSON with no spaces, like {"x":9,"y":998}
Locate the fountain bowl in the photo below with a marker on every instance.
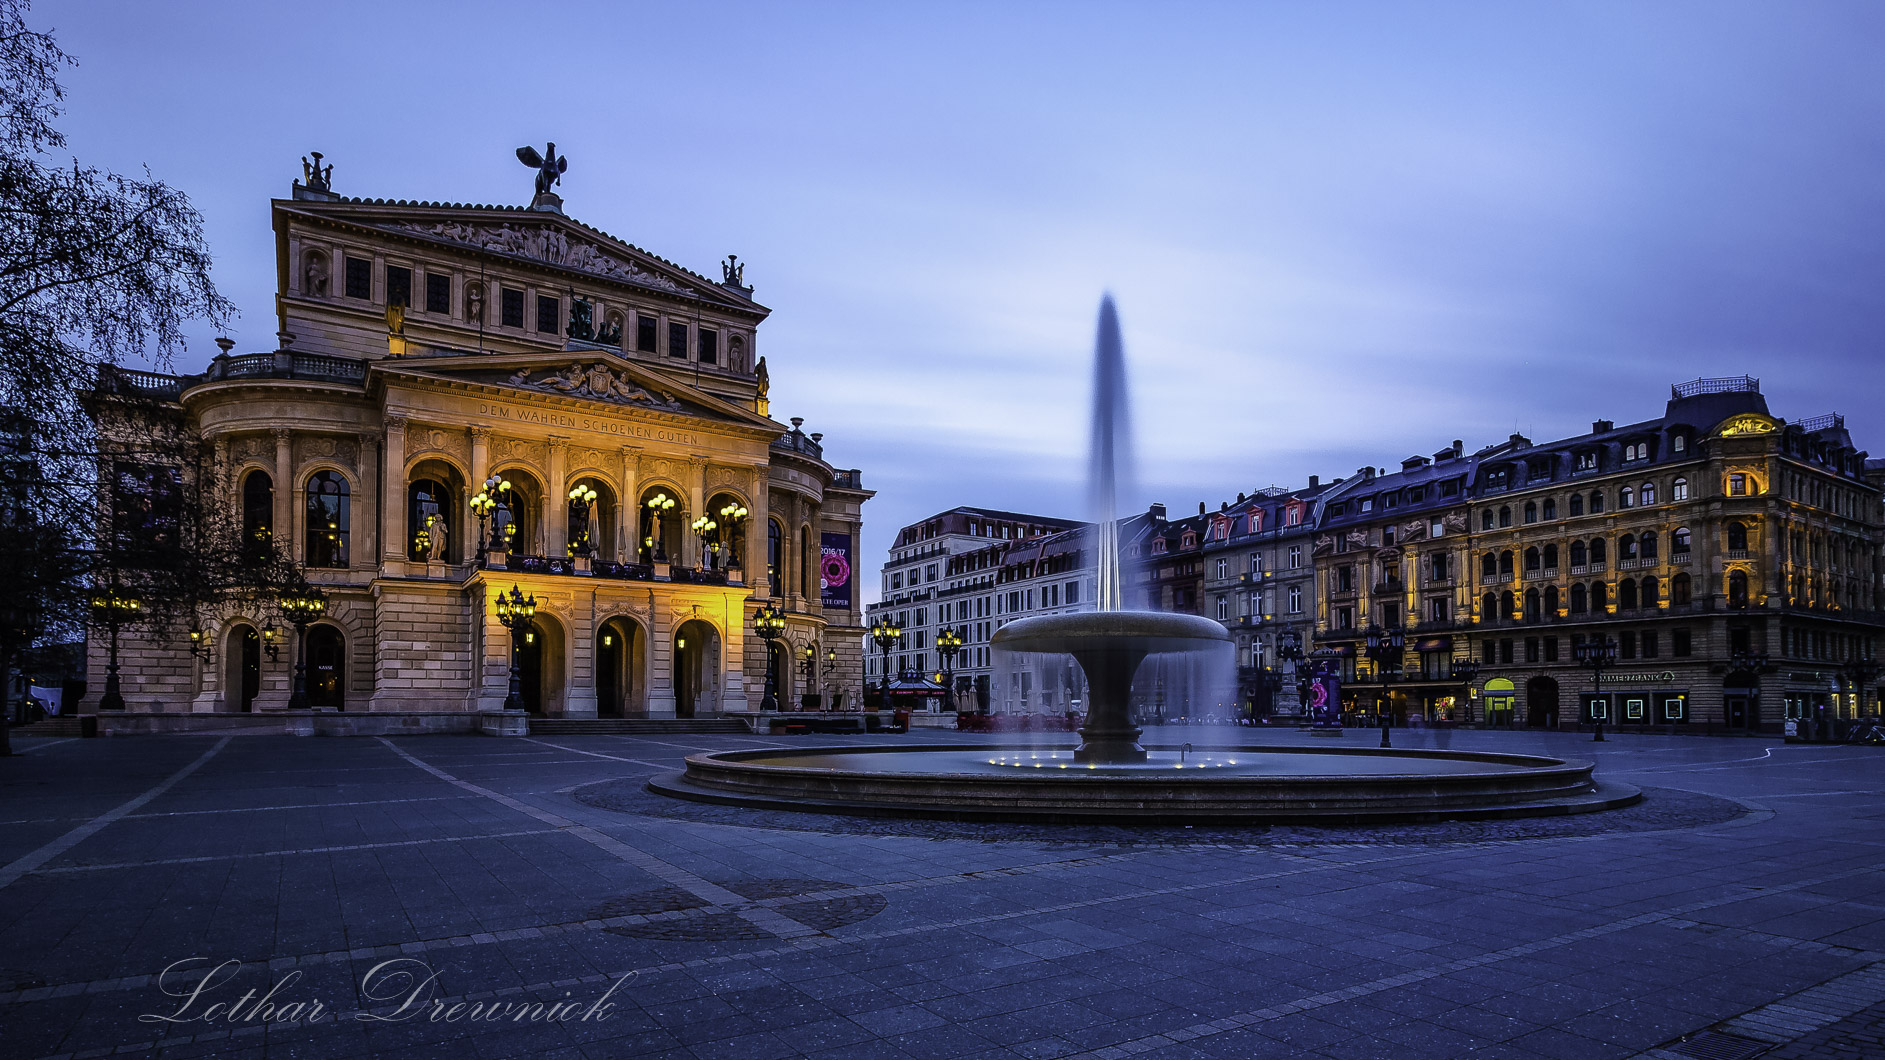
{"x":1145,"y":632}
{"x":1269,"y":784}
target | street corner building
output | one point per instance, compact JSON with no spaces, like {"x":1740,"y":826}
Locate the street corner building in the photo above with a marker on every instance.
{"x":466,"y":399}
{"x":1730,"y":556}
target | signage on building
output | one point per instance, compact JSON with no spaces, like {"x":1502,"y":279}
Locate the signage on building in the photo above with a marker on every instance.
{"x":1638,"y":677}
{"x":834,"y":571}
{"x":1325,"y":700}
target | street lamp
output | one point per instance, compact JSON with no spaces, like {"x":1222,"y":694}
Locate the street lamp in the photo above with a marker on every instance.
{"x":271,"y":640}
{"x":886,"y":634}
{"x":582,"y":498}
{"x":1466,"y":671}
{"x":515,"y":610}
{"x":199,"y":642}
{"x":1598,"y":653}
{"x":301,"y":606}
{"x":1289,"y":650}
{"x":948,"y":643}
{"x":115,"y":610}
{"x":769,"y":622}
{"x":1385,"y":648}
{"x":487,"y":501}
{"x":653,"y":541}
{"x":704,"y":527}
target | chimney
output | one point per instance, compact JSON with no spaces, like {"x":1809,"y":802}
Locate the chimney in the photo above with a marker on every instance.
{"x":1240,"y":497}
{"x":1200,"y":507}
{"x":1600,"y":426}
{"x":1459,"y":447}
{"x":1157,"y":512}
{"x":1314,"y":481}
{"x":1366,"y":473}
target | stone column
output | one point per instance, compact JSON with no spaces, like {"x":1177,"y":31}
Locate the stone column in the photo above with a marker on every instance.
{"x":579,"y":697}
{"x":696,"y":507}
{"x":660,"y":678}
{"x":628,"y":519}
{"x":556,"y":501}
{"x":392,"y":489}
{"x":284,"y":531}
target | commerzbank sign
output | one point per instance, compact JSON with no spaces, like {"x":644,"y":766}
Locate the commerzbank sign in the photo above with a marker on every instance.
{"x":1638,"y":677}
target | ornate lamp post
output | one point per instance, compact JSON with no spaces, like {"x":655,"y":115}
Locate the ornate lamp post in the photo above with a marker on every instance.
{"x":1598,"y":654}
{"x":301,"y":606}
{"x":654,"y":542}
{"x":705,"y":527}
{"x":1289,"y":650}
{"x":948,"y":643}
{"x":486,"y":502}
{"x":582,"y":501}
{"x":1385,"y":648}
{"x":515,"y":610}
{"x":733,"y":518}
{"x":886,"y":634}
{"x":769,"y":623}
{"x":114,"y":609}
{"x":1466,"y":671}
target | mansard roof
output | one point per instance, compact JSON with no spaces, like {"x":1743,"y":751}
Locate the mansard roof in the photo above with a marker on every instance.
{"x":607,"y":259}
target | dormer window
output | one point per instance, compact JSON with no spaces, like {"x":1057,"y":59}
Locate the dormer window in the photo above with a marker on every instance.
{"x":1635,"y":451}
{"x":1497,"y":478}
{"x":1190,"y":540}
{"x":1679,"y":443}
{"x":1158,"y":547}
{"x":1367,"y":504}
{"x":1587,"y":460}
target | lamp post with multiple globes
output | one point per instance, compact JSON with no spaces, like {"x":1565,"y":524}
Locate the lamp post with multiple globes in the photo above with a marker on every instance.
{"x":769,"y":623}
{"x":886,"y":634}
{"x":1386,"y":648}
{"x":515,"y":611}
{"x":948,"y":643}
{"x":1597,"y":654}
{"x":301,"y":606}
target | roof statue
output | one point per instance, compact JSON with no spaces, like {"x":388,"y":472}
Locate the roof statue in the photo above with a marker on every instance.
{"x":734,"y":272}
{"x":317,"y":177}
{"x":550,"y":168}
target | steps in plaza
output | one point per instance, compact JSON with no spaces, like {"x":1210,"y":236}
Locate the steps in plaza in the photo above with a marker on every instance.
{"x":49,"y":727}
{"x":633,"y":726}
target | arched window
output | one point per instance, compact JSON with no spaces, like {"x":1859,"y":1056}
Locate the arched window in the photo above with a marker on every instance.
{"x":1596,"y":502}
{"x":1626,"y":595}
{"x":1531,"y":511}
{"x":1551,"y":508}
{"x":1532,"y":559}
{"x":1647,"y":544}
{"x":1737,"y":536}
{"x":1626,"y":547}
{"x":1531,"y":606}
{"x":327,"y":520}
{"x":1679,"y":589}
{"x":1597,"y":551}
{"x":1626,"y":498}
{"x":1580,"y":599}
{"x":1738,"y":485}
{"x":1648,"y":494}
{"x":1679,"y":443}
{"x":589,"y":518}
{"x":1551,"y":556}
{"x":1507,"y":605}
{"x":1738,"y":588}
{"x":1486,"y":519}
{"x":775,"y":554}
{"x":1579,"y":554}
{"x":1489,"y":608}
{"x":1679,"y":490}
{"x":1551,"y":602}
{"x":1505,"y":515}
{"x":1577,"y":504}
{"x":1488,"y":565}
{"x":428,"y":503}
{"x":1599,"y":596}
{"x":1505,"y":562}
{"x":1652,"y":594}
{"x":258,"y":513}
{"x":1679,"y":541}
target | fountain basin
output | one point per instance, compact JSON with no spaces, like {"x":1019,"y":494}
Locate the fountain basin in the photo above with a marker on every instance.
{"x":1326,"y":785}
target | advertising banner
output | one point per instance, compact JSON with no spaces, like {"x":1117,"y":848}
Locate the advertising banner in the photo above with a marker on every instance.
{"x":834,"y":571}
{"x":1325,"y":700}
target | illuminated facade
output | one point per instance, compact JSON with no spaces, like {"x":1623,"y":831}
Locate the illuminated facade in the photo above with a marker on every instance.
{"x":617,"y":407}
{"x":1731,"y":555}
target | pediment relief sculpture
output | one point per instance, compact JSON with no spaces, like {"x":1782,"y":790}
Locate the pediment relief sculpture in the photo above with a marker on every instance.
{"x":547,"y":244}
{"x":596,"y":381}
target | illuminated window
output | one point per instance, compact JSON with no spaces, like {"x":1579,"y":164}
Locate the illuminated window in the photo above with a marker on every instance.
{"x":1737,"y":485}
{"x":327,"y":520}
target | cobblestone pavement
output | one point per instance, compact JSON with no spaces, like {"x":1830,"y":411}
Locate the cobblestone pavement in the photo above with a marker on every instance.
{"x":416,"y":896}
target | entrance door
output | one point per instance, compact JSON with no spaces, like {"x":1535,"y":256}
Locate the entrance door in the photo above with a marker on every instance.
{"x":1541,"y":703}
{"x":696,"y":659}
{"x":244,"y":675}
{"x":530,"y":669}
{"x":616,"y":649}
{"x":327,"y":661}
{"x":1740,"y":710}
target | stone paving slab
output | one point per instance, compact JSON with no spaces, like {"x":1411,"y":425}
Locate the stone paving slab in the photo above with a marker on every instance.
{"x":1740,"y":896}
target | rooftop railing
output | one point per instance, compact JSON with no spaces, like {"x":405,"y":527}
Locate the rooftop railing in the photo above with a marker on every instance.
{"x":1730,"y":384}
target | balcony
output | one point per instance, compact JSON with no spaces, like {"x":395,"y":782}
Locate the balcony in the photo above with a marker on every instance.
{"x":287,"y":364}
{"x":1737,"y":554}
{"x":1632,"y":564}
{"x":130,"y":382}
{"x":1541,"y":574}
{"x":1681,"y":559}
{"x":1494,"y":579}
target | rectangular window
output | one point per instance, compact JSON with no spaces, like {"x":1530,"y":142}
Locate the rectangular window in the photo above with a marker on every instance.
{"x":359,"y":278}
{"x":1295,"y":557}
{"x":1073,"y":592}
{"x":644,"y":332}
{"x":1345,"y":578}
{"x":1626,"y":645}
{"x":1650,"y":647}
{"x":549,"y":310}
{"x":1533,"y":650}
{"x":1438,"y":561}
{"x":1344,"y":618}
{"x":1505,"y":651}
{"x":398,"y":285}
{"x":1440,"y":609}
{"x":438,"y":293}
{"x":1551,"y":649}
{"x":1256,"y":564}
{"x":677,"y":339}
{"x":1679,"y":642}
{"x":513,"y":308}
{"x":709,"y":346}
{"x":1488,"y":652}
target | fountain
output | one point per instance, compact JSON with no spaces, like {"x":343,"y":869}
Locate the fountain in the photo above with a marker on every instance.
{"x":1110,"y":776}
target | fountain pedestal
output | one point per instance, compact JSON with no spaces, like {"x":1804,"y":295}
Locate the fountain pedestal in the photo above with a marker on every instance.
{"x":1109,"y":736}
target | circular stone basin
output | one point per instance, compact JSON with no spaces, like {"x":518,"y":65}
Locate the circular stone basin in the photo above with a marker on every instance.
{"x":1250,"y":783}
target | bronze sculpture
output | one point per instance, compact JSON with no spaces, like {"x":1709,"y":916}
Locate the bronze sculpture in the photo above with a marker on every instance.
{"x":549,"y":166}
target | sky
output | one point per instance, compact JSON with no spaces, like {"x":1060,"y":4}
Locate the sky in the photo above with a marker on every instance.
{"x":1339,"y":234}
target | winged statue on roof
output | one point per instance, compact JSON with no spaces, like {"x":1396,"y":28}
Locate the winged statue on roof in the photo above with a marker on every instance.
{"x":549,"y":165}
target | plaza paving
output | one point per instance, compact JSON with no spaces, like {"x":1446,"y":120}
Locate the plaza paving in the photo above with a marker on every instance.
{"x":1743,"y":895}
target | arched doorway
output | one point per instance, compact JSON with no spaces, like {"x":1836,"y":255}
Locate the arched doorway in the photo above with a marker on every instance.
{"x":619,"y":690}
{"x":1541,"y":703}
{"x":242,"y":673}
{"x":1501,"y":701}
{"x":540,"y":666}
{"x":327,"y":667}
{"x":696,"y":668}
